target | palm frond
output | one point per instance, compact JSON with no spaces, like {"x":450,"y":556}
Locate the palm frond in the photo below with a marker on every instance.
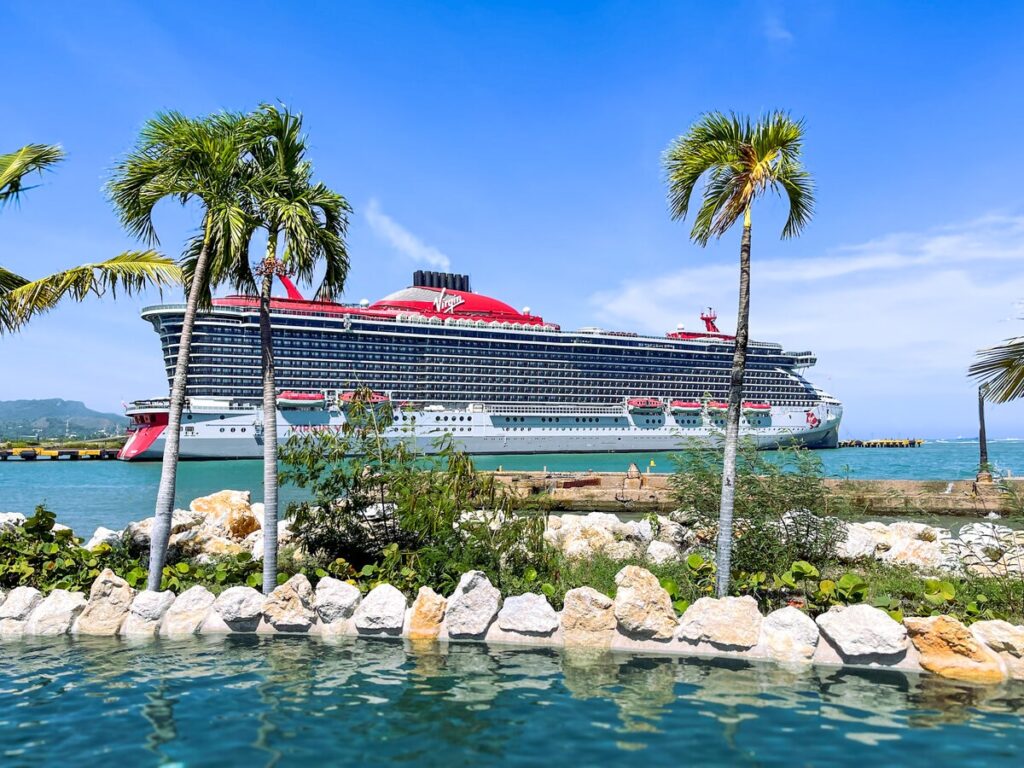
{"x":15,"y":166}
{"x":128,"y":272}
{"x":9,"y":281}
{"x":1000,"y":370}
{"x":738,"y":160}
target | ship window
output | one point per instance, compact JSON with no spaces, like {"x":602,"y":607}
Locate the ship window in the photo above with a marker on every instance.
{"x":222,"y":428}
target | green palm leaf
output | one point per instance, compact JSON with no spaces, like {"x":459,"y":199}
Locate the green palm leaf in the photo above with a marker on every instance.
{"x":1000,"y":370}
{"x":15,"y":166}
{"x":128,"y":272}
{"x":738,"y":160}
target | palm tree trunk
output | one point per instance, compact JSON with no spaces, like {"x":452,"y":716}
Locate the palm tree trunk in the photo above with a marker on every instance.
{"x":161,"y":531}
{"x":983,"y":470}
{"x":732,"y":423}
{"x":269,"y":425}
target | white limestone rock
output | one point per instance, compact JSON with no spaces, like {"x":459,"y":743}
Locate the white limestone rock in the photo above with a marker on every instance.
{"x":239,"y":608}
{"x":290,"y":607}
{"x":731,"y":623}
{"x":56,"y":613}
{"x":147,"y":613}
{"x":110,"y":599}
{"x":1004,"y":639}
{"x":10,"y":520}
{"x":336,"y":600}
{"x":473,"y":606}
{"x":922,"y":554}
{"x":643,"y":609}
{"x":862,"y":631}
{"x":861,"y":542}
{"x":381,"y":612}
{"x":137,"y":534}
{"x":639,"y":531}
{"x":622,"y":550}
{"x":16,"y":610}
{"x":660,"y":553}
{"x":583,"y":542}
{"x":187,"y":614}
{"x":528,"y":614}
{"x":788,"y":635}
{"x":103,"y":536}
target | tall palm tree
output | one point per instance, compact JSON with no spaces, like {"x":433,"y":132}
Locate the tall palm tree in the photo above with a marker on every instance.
{"x":305,"y":223}
{"x":740,"y":160}
{"x":184,"y":159}
{"x":21,"y":298}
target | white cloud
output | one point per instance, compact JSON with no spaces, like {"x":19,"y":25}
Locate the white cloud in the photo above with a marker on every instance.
{"x":774,"y":28}
{"x":895,"y":321}
{"x":402,"y":240}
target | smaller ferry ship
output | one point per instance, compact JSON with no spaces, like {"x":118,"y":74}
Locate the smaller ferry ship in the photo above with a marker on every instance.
{"x":446,"y":360}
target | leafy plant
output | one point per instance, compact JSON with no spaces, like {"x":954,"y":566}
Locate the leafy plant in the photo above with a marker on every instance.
{"x":403,"y":517}
{"x":34,"y":554}
{"x":780,"y":504}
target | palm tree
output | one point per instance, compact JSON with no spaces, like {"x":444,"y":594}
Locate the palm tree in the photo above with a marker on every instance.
{"x":21,"y":298}
{"x":740,"y":160}
{"x":1000,"y":370}
{"x":184,"y":159}
{"x":307,"y":222}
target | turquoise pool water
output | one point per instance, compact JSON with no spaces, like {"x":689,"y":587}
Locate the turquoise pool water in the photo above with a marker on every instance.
{"x":89,"y":494}
{"x":258,"y":701}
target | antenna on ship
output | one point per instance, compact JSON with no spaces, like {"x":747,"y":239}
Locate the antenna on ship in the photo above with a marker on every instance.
{"x":709,"y":318}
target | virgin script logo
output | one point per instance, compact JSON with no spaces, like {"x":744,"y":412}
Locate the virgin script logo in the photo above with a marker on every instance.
{"x":447,"y":303}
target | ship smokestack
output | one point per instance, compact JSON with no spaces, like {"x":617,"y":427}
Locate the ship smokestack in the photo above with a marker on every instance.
{"x":429,"y":279}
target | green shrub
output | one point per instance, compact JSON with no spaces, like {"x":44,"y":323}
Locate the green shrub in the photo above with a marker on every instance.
{"x":33,"y":554}
{"x":779,"y":511}
{"x":402,"y":517}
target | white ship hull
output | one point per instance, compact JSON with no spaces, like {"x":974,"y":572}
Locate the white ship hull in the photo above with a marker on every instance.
{"x":236,"y":433}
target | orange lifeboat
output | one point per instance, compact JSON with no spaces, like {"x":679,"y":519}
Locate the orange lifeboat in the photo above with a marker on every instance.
{"x":347,"y":399}
{"x":752,"y":407}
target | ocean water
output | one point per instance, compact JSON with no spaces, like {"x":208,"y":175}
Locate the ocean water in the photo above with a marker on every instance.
{"x":296,"y":701}
{"x":87,"y":494}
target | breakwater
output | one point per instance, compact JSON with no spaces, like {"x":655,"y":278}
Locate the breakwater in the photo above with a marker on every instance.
{"x":648,"y":492}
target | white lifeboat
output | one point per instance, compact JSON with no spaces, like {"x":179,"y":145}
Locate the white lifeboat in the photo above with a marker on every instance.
{"x":685,"y":406}
{"x":301,"y":400}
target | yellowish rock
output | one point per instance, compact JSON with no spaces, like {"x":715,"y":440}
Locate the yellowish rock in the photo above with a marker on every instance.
{"x":949,"y":649}
{"x":427,"y":614}
{"x":642,"y":608}
{"x":588,"y":618}
{"x":227,"y":514}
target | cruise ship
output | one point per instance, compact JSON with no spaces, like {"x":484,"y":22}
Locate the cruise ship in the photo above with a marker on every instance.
{"x":451,"y":361}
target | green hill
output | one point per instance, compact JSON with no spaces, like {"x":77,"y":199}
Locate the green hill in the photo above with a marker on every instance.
{"x":55,"y":418}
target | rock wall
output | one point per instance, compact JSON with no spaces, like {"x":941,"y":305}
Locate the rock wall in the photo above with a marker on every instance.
{"x":980,"y":548}
{"x":638,"y":618}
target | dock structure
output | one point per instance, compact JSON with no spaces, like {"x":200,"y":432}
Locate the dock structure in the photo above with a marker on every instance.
{"x":907,"y":443}
{"x":54,"y":454}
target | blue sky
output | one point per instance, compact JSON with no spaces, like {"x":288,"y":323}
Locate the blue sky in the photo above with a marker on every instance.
{"x":520,"y":142}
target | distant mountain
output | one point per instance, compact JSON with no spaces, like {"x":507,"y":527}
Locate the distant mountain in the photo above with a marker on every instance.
{"x":55,"y":418}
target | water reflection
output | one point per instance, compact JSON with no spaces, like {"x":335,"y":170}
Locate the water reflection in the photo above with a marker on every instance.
{"x":272,"y":701}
